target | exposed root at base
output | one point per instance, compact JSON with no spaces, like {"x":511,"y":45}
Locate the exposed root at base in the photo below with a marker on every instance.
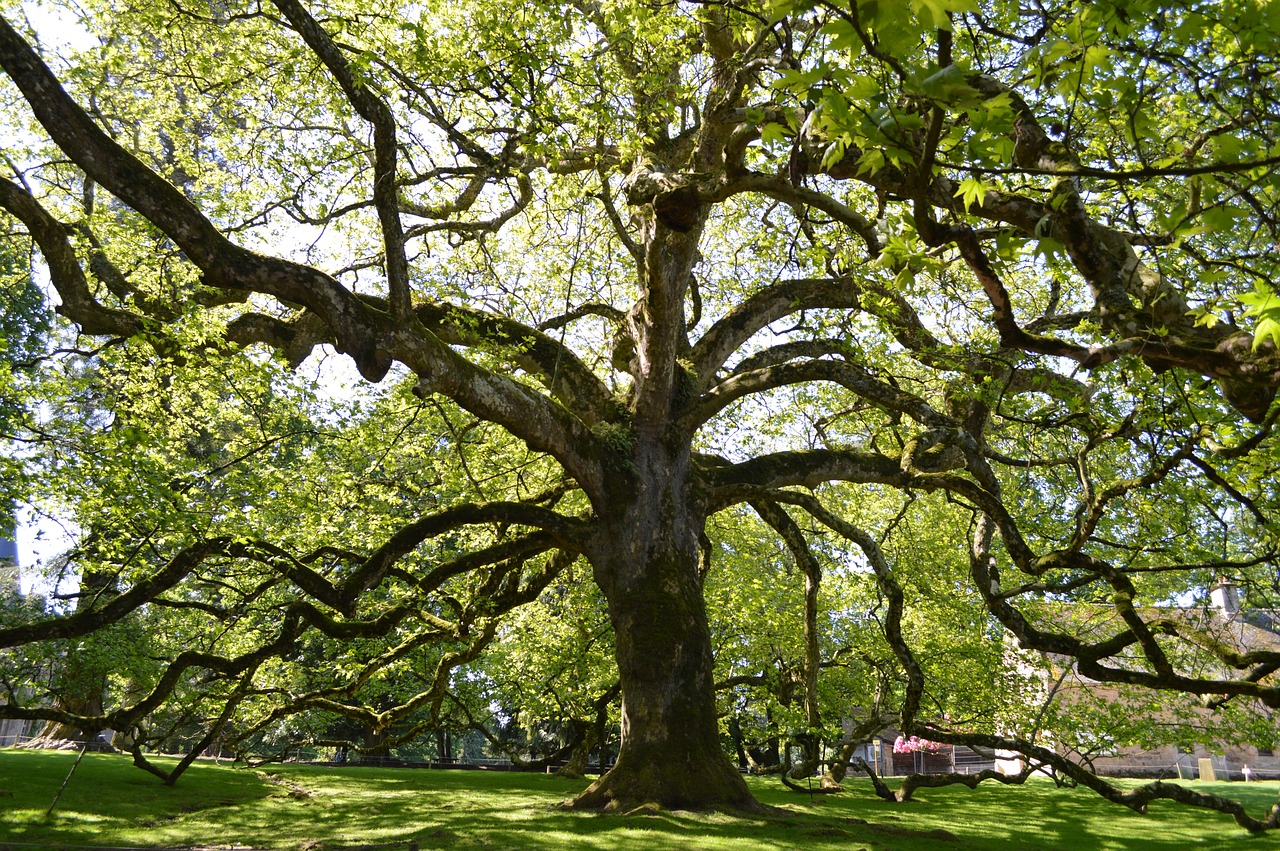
{"x":602,"y":802}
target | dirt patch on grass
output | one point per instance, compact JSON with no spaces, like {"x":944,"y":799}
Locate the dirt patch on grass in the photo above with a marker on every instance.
{"x":857,"y":830}
{"x":298,"y":793}
{"x":935,"y":833}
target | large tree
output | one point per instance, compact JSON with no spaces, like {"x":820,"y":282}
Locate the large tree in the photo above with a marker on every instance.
{"x":987,"y":258}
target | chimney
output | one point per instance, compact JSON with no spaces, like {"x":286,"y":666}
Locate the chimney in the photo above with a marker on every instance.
{"x":1226,"y":597}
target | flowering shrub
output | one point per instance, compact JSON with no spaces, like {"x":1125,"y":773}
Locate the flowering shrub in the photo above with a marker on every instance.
{"x":915,"y":743}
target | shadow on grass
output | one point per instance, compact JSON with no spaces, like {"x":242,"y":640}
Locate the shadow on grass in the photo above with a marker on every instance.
{"x":107,"y":796}
{"x":1041,"y":815}
{"x":300,"y":807}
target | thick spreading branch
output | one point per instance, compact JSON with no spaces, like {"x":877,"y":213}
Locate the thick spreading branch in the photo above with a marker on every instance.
{"x":373,"y":110}
{"x":374,"y":339}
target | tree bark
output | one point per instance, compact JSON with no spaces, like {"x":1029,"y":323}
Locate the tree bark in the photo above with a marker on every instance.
{"x":670,"y":752}
{"x":648,"y":569}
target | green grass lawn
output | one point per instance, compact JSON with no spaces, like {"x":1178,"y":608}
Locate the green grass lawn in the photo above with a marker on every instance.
{"x":110,"y":803}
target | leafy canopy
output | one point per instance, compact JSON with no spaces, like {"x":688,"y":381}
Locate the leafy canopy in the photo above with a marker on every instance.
{"x":885,"y":334}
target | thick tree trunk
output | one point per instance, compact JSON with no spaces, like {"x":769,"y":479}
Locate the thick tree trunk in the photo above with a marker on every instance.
{"x":670,"y":753}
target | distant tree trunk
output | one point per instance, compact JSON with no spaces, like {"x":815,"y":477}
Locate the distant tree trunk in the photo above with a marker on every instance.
{"x":769,"y":755}
{"x":81,"y":679}
{"x":810,"y":740}
{"x":54,"y":733}
{"x":576,"y":767}
{"x":735,"y":733}
{"x":766,"y":757}
{"x":593,"y":736}
{"x":602,"y":731}
{"x":374,"y":749}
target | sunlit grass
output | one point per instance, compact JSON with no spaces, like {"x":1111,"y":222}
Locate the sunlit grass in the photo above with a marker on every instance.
{"x":109,"y":802}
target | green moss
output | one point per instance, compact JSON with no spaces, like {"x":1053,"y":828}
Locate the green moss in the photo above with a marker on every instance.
{"x":687,"y":384}
{"x":619,"y":442}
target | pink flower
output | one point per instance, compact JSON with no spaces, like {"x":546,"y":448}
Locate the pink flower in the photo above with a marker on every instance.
{"x":915,"y":743}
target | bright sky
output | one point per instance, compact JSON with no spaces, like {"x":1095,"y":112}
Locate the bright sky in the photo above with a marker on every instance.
{"x":37,"y":544}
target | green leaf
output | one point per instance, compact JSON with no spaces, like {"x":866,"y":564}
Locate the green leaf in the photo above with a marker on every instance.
{"x":1204,"y":318}
{"x":1265,"y":305}
{"x":833,"y":154}
{"x":844,"y":35}
{"x":774,"y":133}
{"x":972,"y":190}
{"x":935,"y":13}
{"x":1268,"y":327}
{"x":948,"y":86}
{"x":871,"y":161}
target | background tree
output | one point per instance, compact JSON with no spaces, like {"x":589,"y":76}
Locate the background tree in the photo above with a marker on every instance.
{"x":988,"y":254}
